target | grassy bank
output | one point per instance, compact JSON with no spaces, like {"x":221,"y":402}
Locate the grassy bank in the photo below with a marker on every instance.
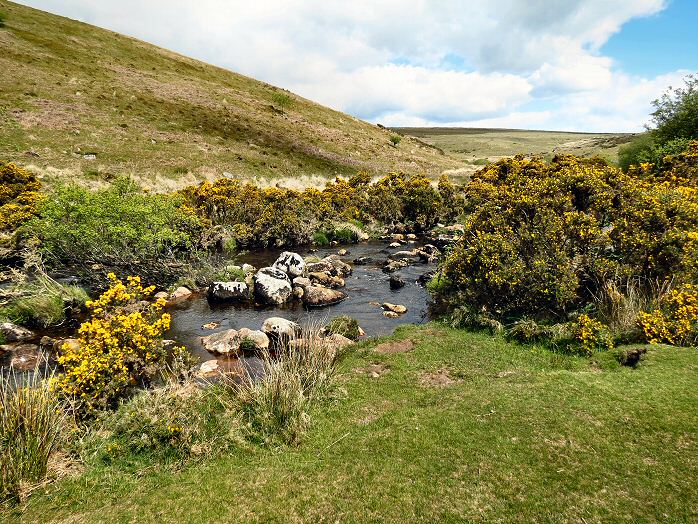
{"x":440,"y":424}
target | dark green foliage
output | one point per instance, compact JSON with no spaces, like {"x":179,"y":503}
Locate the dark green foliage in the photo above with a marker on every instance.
{"x":395,"y":140}
{"x":2,"y":19}
{"x":676,"y":112}
{"x":320,"y":239}
{"x":344,"y":325}
{"x":675,"y":120}
{"x":646,"y":150}
{"x":119,"y":226}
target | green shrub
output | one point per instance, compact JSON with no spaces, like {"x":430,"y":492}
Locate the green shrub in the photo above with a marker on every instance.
{"x":395,"y":140}
{"x":320,"y":239}
{"x":2,"y":20}
{"x":283,"y":100}
{"x":31,"y":422}
{"x":645,"y":150}
{"x":675,"y":113}
{"x":344,"y":325}
{"x":119,"y":227}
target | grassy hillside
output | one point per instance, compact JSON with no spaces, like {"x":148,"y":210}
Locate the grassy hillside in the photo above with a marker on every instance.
{"x":440,"y":425}
{"x":70,"y":90}
{"x":476,"y":146}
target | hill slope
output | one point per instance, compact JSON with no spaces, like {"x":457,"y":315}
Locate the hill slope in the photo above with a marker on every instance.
{"x":69,"y":91}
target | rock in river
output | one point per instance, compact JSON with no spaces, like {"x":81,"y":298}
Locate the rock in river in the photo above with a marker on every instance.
{"x":224,"y":291}
{"x":229,"y":342}
{"x":396,"y":282}
{"x":316,"y":296}
{"x":14,"y":333}
{"x":272,"y":286}
{"x":290,"y":263}
{"x":395,"y":308}
{"x":280,"y":327}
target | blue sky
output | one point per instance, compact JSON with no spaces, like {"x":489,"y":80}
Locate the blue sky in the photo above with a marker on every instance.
{"x":585,"y":65}
{"x":660,"y":43}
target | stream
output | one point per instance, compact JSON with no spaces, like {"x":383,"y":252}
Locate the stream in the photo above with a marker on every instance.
{"x":367,"y":287}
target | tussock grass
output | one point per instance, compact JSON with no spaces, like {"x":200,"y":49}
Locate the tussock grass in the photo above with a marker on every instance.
{"x":31,"y":423}
{"x":275,"y":405}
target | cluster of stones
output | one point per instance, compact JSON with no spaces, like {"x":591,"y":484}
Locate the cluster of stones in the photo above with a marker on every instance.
{"x":289,"y":278}
{"x":275,"y":332}
{"x":24,"y":351}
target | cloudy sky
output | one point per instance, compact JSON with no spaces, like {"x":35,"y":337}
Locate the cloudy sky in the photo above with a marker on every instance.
{"x":588,"y":65}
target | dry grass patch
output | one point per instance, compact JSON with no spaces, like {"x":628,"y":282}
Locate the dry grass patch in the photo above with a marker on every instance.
{"x":399,"y":346}
{"x":437,"y":379}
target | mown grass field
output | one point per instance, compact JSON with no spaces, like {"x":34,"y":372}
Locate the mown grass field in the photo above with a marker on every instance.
{"x":69,"y":90}
{"x":440,"y":425}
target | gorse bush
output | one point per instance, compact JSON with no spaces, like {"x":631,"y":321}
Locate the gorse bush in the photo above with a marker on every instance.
{"x":119,"y":346}
{"x":280,"y":217}
{"x":676,"y":320}
{"x":19,"y":196}
{"x":119,"y":226}
{"x":31,"y":421}
{"x":543,"y":239}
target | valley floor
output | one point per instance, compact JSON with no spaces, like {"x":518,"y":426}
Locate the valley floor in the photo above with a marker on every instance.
{"x":437,"y":424}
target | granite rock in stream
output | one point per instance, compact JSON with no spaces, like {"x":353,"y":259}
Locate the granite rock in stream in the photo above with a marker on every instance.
{"x":396,"y":282}
{"x":14,"y":333}
{"x":231,"y":341}
{"x":316,"y":296}
{"x":225,"y":291}
{"x":290,"y":263}
{"x":272,"y":286}
{"x":278,"y":327}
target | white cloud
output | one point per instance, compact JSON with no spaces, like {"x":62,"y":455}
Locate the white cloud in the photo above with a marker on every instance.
{"x":384,"y":60}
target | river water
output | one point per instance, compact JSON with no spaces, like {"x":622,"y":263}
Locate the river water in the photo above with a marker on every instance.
{"x":367,"y":287}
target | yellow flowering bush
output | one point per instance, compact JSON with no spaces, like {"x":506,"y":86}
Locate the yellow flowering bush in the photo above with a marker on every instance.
{"x":119,"y":346}
{"x":543,"y":239}
{"x":676,"y":320}
{"x":279,"y":216}
{"x":591,"y":335}
{"x":19,"y":196}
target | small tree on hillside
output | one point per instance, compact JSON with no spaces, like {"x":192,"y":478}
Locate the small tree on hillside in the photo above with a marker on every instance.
{"x":395,"y":140}
{"x":676,"y":112}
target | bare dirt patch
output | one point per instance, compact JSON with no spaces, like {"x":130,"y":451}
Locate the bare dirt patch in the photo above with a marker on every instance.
{"x":439,"y":379}
{"x":375,"y":370}
{"x":401,"y":346}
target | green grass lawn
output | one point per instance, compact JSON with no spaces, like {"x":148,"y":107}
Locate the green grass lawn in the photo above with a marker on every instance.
{"x":462,"y":428}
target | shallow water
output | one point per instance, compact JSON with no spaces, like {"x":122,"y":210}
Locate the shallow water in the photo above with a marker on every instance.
{"x":365,"y":285}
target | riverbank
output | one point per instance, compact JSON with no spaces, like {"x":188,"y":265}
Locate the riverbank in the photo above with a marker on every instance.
{"x":439,"y":424}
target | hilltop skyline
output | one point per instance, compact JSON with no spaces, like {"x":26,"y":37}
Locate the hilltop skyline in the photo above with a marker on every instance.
{"x":558,"y":65}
